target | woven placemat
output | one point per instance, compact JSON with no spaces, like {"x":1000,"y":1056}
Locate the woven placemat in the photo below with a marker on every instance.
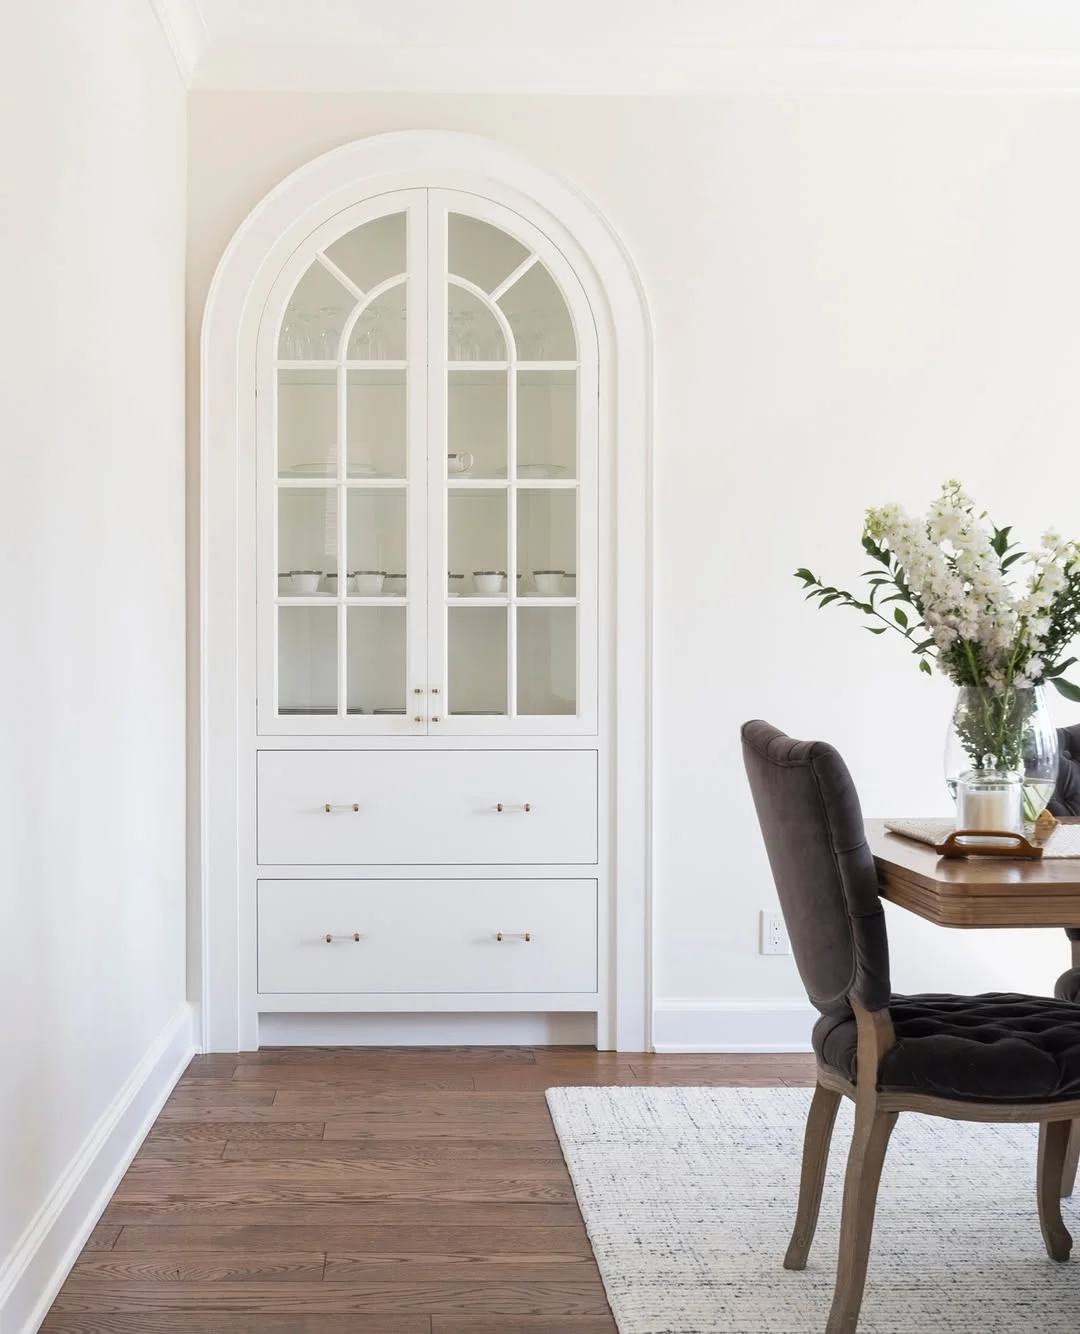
{"x":1063,"y":842}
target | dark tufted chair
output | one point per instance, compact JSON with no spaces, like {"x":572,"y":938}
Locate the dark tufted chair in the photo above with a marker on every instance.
{"x":997,"y":1057}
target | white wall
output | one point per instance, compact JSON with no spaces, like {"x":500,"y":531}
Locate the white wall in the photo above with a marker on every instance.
{"x":92,"y":762}
{"x":854,"y":298}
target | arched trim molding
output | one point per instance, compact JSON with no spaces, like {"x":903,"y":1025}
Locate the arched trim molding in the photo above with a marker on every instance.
{"x":238,"y":292}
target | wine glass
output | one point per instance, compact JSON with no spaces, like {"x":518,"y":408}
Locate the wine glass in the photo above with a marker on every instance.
{"x":455,"y":329}
{"x":295,"y":339}
{"x":367,"y":340}
{"x":469,"y":347}
{"x":330,"y":335}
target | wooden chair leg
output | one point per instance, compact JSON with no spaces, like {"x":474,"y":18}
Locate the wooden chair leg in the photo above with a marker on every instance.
{"x":1053,"y":1148}
{"x":865,"y":1161}
{"x":1072,"y":1161}
{"x":818,"y":1137}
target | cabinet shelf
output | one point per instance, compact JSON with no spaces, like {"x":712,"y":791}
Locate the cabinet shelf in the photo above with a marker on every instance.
{"x":322,"y":483}
{"x":332,"y":599}
{"x":521,"y":600}
{"x":522,"y":483}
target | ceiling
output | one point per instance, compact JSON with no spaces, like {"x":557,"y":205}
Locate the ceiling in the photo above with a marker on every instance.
{"x":623,"y":46}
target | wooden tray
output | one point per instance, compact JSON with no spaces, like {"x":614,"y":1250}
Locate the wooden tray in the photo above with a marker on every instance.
{"x":988,"y":843}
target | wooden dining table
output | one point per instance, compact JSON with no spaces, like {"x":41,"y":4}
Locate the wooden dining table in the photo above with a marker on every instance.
{"x":982,"y":892}
{"x":978,"y":892}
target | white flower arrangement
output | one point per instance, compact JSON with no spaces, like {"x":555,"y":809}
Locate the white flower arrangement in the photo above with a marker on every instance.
{"x":970,"y":617}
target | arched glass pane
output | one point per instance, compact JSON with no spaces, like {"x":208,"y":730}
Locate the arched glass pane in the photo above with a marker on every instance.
{"x":539,"y":318}
{"x":379,"y":332}
{"x":483,"y":254}
{"x":313,"y":319}
{"x":473,"y":333}
{"x":372,"y":253}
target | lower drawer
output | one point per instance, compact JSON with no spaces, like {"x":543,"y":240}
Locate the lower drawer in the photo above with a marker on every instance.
{"x":427,"y":936}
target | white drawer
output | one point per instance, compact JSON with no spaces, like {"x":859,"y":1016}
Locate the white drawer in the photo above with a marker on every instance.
{"x":438,"y":808}
{"x":427,"y":936}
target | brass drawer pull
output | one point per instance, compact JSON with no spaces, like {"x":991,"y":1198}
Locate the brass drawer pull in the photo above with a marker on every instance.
{"x":525,"y":806}
{"x":329,"y":938}
{"x":330,"y":809}
{"x":513,"y":935}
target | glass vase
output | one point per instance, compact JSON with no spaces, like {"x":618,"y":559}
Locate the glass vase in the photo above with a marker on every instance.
{"x":1004,"y":732}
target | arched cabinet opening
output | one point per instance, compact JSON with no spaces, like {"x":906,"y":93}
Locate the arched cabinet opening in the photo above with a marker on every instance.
{"x":424,"y":611}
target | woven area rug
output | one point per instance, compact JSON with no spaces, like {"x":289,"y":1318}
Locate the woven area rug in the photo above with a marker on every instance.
{"x":689,"y":1195}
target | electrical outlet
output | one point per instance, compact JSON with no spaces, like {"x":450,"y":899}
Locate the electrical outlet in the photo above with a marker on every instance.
{"x":774,"y":936}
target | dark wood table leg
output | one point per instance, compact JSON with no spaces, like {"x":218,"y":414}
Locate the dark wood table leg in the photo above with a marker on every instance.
{"x":1072,"y":1153}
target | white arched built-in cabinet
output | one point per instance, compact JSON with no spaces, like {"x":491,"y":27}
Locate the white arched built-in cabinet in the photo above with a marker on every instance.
{"x":424,"y":645}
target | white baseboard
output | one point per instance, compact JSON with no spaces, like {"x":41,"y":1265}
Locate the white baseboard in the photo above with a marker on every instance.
{"x":684,"y":1024}
{"x":32,"y":1275}
{"x":426,"y":1030}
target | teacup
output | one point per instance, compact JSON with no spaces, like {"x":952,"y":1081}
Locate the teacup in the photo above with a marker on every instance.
{"x":368,"y":583}
{"x":305,"y":581}
{"x":549,"y":582}
{"x":488,"y":581}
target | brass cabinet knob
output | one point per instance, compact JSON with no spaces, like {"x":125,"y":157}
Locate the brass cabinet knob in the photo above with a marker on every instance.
{"x":418,"y":720}
{"x":435,"y":720}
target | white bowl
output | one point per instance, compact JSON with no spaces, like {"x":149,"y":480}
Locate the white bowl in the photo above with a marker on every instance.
{"x":305,"y":581}
{"x":549,"y":582}
{"x":368,"y":583}
{"x":488,"y":584}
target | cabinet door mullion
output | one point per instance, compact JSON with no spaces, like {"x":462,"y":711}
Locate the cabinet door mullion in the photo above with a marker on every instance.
{"x":437,"y":437}
{"x":417,"y":539}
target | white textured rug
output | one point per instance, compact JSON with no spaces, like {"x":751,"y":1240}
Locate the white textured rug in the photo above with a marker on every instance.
{"x":689,"y":1197}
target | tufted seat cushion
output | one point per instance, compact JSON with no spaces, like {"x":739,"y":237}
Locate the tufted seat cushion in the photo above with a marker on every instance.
{"x":1068,"y":986}
{"x":993,"y":1048}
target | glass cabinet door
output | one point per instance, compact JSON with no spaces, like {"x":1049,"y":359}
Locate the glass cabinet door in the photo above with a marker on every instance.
{"x":347,"y":476}
{"x":427,"y":480}
{"x":513,"y":541}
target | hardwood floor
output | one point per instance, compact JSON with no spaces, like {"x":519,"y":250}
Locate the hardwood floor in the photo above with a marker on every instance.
{"x":375,"y":1191}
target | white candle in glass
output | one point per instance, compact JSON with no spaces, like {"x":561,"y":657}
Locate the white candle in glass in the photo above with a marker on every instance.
{"x":989,"y":805}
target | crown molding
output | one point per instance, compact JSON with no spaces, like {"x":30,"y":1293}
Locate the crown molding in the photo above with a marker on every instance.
{"x":245,"y":66}
{"x":185,"y":30}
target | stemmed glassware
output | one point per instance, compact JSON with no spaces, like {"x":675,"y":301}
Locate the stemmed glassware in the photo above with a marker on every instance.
{"x":528,"y":329}
{"x":296,"y":339}
{"x":463,"y":345}
{"x":329,"y":337}
{"x":368,"y":336}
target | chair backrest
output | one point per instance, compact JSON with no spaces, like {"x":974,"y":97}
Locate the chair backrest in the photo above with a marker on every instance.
{"x":812,"y":825}
{"x":1066,"y":798}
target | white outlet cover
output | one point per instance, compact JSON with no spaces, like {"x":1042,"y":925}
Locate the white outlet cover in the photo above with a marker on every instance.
{"x":774,"y":936}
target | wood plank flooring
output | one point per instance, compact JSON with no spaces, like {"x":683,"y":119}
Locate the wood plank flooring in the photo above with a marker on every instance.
{"x":373,"y":1191}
